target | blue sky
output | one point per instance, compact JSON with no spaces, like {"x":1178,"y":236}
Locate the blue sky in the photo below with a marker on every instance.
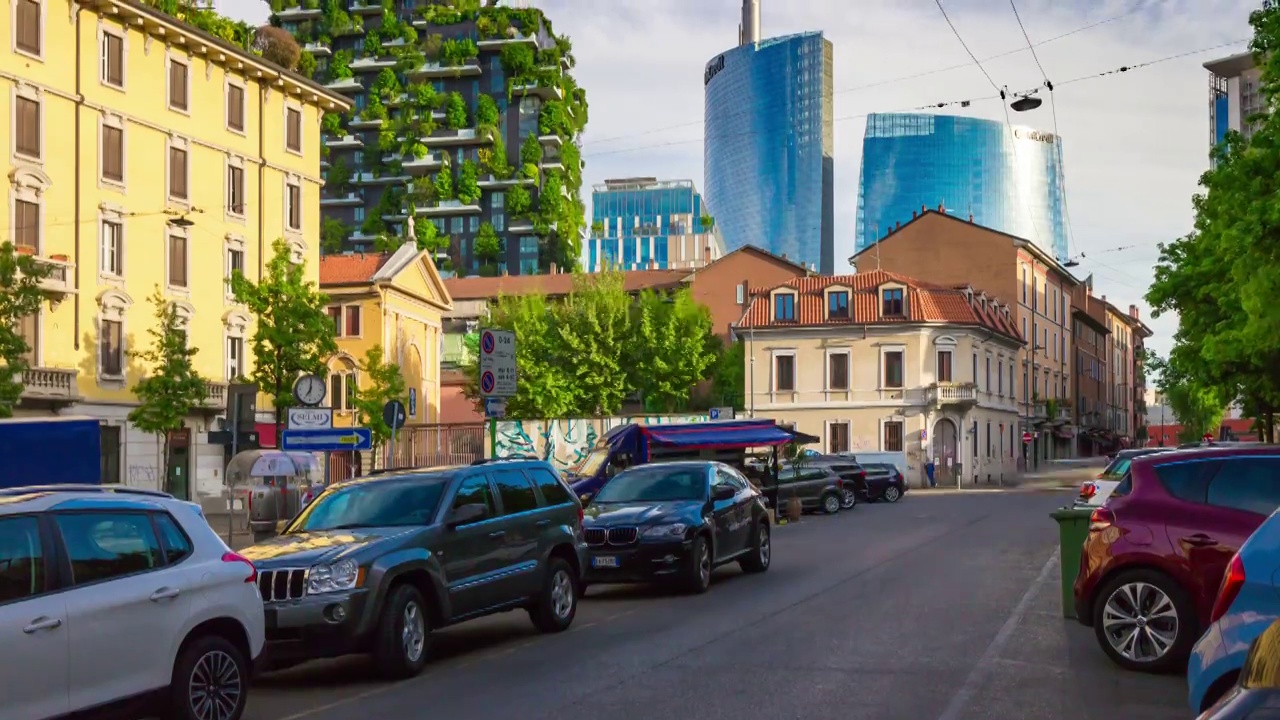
{"x":1134,"y":143}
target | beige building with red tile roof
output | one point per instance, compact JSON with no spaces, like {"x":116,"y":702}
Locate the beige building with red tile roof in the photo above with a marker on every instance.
{"x":881,"y":362}
{"x":395,"y":300}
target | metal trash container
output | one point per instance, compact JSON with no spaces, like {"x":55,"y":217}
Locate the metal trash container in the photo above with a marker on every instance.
{"x":1073,"y":528}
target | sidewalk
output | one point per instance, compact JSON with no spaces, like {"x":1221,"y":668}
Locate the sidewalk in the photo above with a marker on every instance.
{"x":1058,"y":475}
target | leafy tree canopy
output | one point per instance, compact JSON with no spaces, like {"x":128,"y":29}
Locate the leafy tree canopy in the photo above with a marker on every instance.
{"x":381,"y":383}
{"x":20,"y":298}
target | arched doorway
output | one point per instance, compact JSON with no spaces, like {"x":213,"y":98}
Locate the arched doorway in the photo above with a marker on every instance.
{"x":945,"y":449}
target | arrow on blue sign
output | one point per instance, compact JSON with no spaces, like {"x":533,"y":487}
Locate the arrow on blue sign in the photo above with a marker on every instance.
{"x":327,"y":440}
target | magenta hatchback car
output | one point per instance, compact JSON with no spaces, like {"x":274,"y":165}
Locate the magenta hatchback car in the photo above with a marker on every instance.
{"x":1157,"y":550}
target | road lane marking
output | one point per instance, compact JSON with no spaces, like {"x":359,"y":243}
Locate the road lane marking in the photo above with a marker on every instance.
{"x":336,"y":703}
{"x":981,"y":669}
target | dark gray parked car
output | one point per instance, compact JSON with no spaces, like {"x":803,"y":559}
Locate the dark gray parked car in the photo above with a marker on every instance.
{"x":818,"y":486}
{"x":374,"y":564}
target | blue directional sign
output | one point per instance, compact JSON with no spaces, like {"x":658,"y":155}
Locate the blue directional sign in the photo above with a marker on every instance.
{"x":327,"y":439}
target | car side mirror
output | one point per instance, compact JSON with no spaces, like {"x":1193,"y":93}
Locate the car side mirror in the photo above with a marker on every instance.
{"x":467,"y":514}
{"x":723,"y":492}
{"x":586,"y":497}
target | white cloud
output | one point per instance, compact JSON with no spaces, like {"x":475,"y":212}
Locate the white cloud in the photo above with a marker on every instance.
{"x":1135,"y":143}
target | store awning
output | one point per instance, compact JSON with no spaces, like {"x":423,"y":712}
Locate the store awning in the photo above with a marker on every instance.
{"x":713,"y":436}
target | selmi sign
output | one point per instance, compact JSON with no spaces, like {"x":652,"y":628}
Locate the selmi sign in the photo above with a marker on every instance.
{"x":713,"y":68}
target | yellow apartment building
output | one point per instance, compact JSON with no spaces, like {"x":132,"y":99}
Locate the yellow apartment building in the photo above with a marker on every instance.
{"x":880,"y":362}
{"x":395,"y":300}
{"x":141,"y":153}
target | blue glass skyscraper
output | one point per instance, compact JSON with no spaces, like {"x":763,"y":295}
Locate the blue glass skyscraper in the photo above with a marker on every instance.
{"x":768,"y":145}
{"x":646,"y":223}
{"x":1008,"y":178}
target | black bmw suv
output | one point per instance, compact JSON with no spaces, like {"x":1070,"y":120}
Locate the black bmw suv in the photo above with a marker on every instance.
{"x":675,"y":521}
{"x":374,"y":564}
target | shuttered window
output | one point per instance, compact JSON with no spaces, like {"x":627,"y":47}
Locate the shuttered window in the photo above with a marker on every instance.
{"x":112,"y":59}
{"x":111,"y":348}
{"x":112,"y":153}
{"x":235,"y":107}
{"x":177,"y":261}
{"x":177,"y":173}
{"x":178,"y":85}
{"x":293,"y":130}
{"x":235,"y":190}
{"x":28,"y":130}
{"x":295,"y":207}
{"x":26,"y":225}
{"x":28,"y":27}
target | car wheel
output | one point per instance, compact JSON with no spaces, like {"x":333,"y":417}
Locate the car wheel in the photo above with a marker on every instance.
{"x":400,"y":645}
{"x":1144,"y":621}
{"x":758,"y":559}
{"x":697,"y":574}
{"x":848,"y":499}
{"x":831,"y":503}
{"x":557,"y":603}
{"x":210,"y":681}
{"x":892,"y":494}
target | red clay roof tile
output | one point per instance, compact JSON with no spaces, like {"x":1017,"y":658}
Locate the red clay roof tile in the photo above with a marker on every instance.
{"x":483,"y":288}
{"x":926,"y":302}
{"x":349,"y":269}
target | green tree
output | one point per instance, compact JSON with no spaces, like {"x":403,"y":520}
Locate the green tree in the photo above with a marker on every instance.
{"x":294,"y":333}
{"x":531,"y":150}
{"x":20,"y":298}
{"x":1222,"y":278}
{"x":488,"y":245}
{"x":595,"y":327}
{"x":172,"y":386}
{"x":486,"y":112}
{"x":729,"y":376}
{"x":1199,"y":410}
{"x":333,"y":233}
{"x":444,"y":184}
{"x":468,"y":185}
{"x":547,"y":383}
{"x":670,"y":352}
{"x":518,"y":200}
{"x":381,"y":382}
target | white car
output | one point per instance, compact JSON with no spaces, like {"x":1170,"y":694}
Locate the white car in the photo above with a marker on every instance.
{"x":1096,"y":492}
{"x":121,"y":600}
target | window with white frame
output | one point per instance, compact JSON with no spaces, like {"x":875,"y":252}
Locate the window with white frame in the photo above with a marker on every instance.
{"x":111,"y":54}
{"x":894,"y":367}
{"x":28,"y":120}
{"x":179,"y":86}
{"x":838,"y":436}
{"x":234,"y":260}
{"x":235,"y":106}
{"x":894,"y":436}
{"x":237,"y":329}
{"x":293,"y":129}
{"x":784,"y":372}
{"x":293,"y":206}
{"x":27,"y":209}
{"x":113,"y":305}
{"x":943,"y":366}
{"x":235,"y":187}
{"x":111,"y":246}
{"x":838,"y":370}
{"x":179,"y":171}
{"x":177,"y":252}
{"x":111,"y":149}
{"x":28,"y":28}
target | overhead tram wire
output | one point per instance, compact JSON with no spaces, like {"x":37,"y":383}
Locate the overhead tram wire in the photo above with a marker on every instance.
{"x":938,"y":105}
{"x":881,"y":83}
{"x":1053,"y":107}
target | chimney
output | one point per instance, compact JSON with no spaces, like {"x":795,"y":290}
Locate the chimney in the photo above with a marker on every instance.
{"x":942,"y":208}
{"x":970,"y":217}
{"x":706,"y":252}
{"x":913,"y":214}
{"x":784,"y":256}
{"x":749,"y":34}
{"x":924,"y":209}
{"x":898,"y":226}
{"x":1133,"y":312}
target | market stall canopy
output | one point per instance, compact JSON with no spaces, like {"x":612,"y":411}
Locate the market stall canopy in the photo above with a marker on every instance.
{"x":270,"y":463}
{"x":719,"y":435}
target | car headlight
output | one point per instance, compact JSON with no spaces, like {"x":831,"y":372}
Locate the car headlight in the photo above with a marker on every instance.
{"x":342,"y":575}
{"x":665,"y":532}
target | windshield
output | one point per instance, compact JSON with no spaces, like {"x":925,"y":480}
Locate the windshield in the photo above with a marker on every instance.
{"x":1117,"y":469}
{"x":372,"y":504}
{"x":655,"y":483}
{"x":589,"y":465}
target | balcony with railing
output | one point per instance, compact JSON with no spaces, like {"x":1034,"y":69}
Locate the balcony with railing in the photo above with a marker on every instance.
{"x":515,"y":36}
{"x":215,"y":394}
{"x":441,"y":70}
{"x":50,"y":385}
{"x":951,"y":393}
{"x":449,"y":136}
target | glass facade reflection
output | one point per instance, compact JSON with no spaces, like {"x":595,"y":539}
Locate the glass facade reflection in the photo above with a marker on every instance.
{"x":646,"y":223}
{"x":1008,"y":179}
{"x":768,"y":147}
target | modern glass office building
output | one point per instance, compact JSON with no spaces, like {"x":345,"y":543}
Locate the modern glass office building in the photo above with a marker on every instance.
{"x":768,"y":147}
{"x":645,"y":223}
{"x":1008,"y":178}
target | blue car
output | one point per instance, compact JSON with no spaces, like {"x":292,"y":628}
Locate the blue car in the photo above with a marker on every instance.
{"x":1248,"y":603}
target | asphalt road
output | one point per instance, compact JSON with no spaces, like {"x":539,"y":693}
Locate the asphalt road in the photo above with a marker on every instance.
{"x":942,"y":606}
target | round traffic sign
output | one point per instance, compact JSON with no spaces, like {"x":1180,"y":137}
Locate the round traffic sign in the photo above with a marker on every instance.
{"x":1026,"y":437}
{"x":393,"y":414}
{"x":486,"y":381}
{"x":487,"y":342}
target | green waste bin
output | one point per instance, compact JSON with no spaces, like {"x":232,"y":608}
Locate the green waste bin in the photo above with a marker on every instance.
{"x":1073,"y":528}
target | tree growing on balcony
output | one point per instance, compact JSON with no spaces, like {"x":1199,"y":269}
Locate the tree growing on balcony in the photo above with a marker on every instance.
{"x":172,"y":386}
{"x":293,"y":334}
{"x":20,"y":298}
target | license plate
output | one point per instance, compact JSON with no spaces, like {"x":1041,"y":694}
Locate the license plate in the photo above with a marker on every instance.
{"x":604,"y":562}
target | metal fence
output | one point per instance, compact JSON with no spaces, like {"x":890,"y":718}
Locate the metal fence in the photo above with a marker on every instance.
{"x":416,"y":446}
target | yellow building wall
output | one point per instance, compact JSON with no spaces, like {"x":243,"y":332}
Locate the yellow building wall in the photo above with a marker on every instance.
{"x":74,"y":199}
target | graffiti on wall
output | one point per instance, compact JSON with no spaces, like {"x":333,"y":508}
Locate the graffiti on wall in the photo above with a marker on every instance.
{"x":565,"y":442}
